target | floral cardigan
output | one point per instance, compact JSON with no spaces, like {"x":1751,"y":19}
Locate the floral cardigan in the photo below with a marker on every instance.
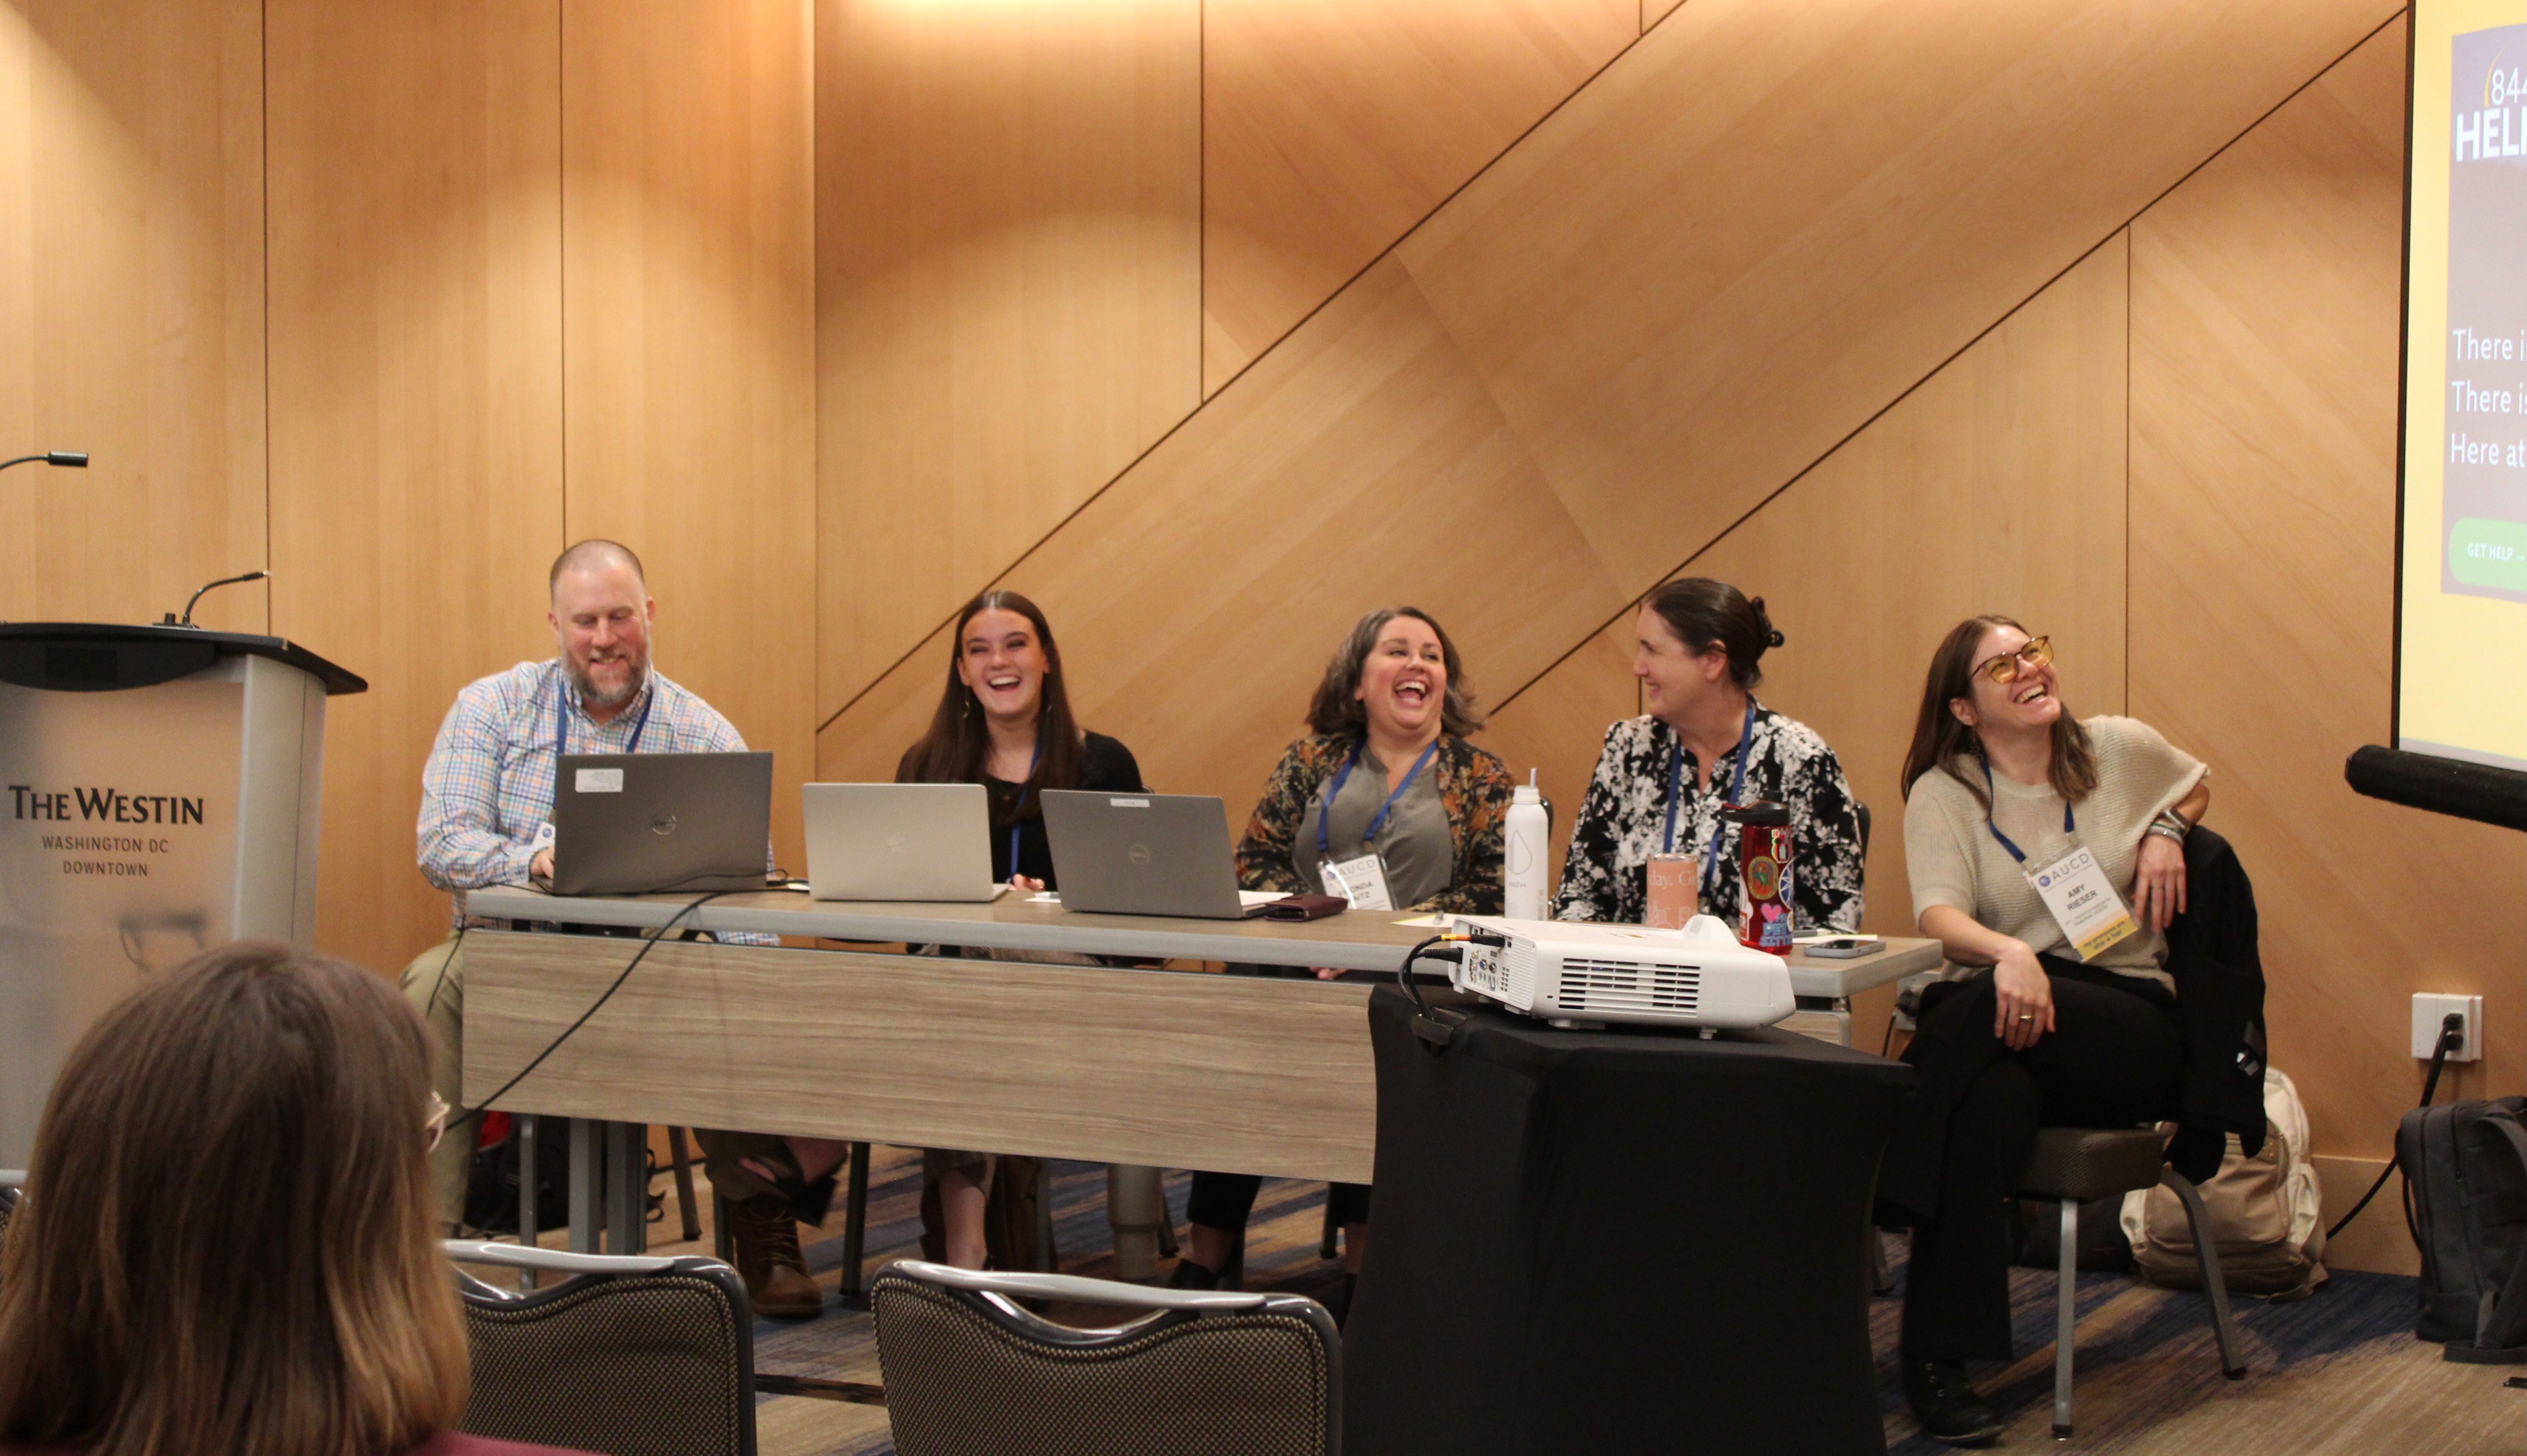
{"x":1475,"y":792}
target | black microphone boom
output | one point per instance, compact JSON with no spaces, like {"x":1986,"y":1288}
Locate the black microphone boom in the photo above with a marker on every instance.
{"x":2441,"y":786}
{"x":198,"y":597}
{"x":74,"y":459}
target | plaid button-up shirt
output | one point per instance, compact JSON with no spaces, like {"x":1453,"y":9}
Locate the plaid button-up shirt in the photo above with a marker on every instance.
{"x":488,"y":784}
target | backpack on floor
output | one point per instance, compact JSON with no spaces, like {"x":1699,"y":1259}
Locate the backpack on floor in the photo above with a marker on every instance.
{"x":2266,"y":1213}
{"x":2465,"y":1182}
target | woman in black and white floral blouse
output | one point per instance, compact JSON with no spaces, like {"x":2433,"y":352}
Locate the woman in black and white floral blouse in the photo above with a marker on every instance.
{"x":1697,"y":657}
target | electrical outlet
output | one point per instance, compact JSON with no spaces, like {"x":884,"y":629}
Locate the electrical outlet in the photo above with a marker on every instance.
{"x":2430,"y":1011}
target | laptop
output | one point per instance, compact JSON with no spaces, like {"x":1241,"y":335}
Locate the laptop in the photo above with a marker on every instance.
{"x":900,"y":841}
{"x":1146,"y":854}
{"x":637,"y":824}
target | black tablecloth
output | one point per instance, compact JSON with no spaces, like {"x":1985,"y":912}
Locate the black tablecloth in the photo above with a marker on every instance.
{"x":1615,"y":1242}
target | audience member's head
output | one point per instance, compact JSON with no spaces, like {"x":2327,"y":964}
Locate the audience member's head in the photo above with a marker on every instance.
{"x":227,"y":1241}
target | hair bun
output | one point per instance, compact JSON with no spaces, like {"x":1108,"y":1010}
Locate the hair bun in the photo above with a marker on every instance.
{"x":1770,"y":634}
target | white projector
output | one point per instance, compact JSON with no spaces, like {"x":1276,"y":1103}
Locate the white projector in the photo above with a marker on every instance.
{"x":1578,"y":974}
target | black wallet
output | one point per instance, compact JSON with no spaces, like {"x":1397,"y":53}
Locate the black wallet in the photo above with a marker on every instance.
{"x":1306,"y":907}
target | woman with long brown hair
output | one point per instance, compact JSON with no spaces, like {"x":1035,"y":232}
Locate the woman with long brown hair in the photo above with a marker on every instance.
{"x":228,"y":1241}
{"x":2046,"y":855}
{"x":1385,"y":803}
{"x":1005,"y":722}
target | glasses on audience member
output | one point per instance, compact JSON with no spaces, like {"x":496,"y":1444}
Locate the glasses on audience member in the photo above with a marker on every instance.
{"x":2035,"y":653}
{"x":436,"y":1126}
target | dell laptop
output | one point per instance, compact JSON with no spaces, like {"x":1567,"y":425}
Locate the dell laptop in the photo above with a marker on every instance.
{"x":636,"y":824}
{"x":1146,"y":854}
{"x":900,"y":841}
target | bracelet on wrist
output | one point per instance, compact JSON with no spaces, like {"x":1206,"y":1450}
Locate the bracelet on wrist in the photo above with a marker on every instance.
{"x":2165,"y":832}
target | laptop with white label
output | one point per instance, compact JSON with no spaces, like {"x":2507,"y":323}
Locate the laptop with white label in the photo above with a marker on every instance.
{"x":899,"y":841}
{"x":1146,"y":854}
{"x":637,"y":824}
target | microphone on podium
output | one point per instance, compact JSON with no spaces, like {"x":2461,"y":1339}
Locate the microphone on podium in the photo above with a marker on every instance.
{"x":170,"y":620}
{"x":74,"y":459}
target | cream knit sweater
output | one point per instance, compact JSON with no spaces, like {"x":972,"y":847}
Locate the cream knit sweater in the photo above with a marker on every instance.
{"x":1954,"y":860}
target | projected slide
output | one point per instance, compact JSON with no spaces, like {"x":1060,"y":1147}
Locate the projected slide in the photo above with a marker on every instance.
{"x":2462,"y":649}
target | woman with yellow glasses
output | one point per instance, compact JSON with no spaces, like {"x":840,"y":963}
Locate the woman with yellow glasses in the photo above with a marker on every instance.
{"x":2048,"y":857}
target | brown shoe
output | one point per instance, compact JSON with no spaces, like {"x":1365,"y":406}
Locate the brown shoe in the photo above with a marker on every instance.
{"x":769,"y":1261}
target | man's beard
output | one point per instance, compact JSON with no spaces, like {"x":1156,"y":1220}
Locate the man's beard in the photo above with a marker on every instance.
{"x":594,"y":696}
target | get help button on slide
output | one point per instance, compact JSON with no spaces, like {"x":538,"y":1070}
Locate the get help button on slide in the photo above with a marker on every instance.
{"x":2488,"y":553}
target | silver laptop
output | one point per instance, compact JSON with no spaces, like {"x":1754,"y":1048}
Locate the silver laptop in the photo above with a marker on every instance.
{"x":1146,"y":854}
{"x":637,"y":824}
{"x":899,"y":841}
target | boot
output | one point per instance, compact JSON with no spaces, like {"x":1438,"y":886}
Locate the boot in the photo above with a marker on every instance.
{"x":769,"y":1259}
{"x":1948,"y":1406}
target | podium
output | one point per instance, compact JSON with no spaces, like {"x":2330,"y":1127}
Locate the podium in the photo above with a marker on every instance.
{"x":159,"y":794}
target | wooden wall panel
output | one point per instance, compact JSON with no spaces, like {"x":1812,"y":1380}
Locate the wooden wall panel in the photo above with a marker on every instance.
{"x":2264,"y":384}
{"x":1648,"y":325}
{"x":1197,"y":610}
{"x":1676,"y":318}
{"x":1995,"y":486}
{"x":689,"y":306}
{"x":416,"y":395}
{"x":1330,"y":127}
{"x":1009,"y":290}
{"x":131,"y":307}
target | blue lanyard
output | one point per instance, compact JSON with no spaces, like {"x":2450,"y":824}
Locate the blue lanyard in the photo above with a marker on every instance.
{"x":2069,"y":826}
{"x":1736,"y":788}
{"x":1024,"y":789}
{"x":1325,"y":812}
{"x":561,"y":725}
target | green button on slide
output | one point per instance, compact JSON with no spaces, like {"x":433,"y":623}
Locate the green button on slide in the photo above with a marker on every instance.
{"x":2488,"y":553}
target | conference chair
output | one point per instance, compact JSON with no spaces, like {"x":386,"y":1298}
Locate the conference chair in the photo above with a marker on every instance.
{"x":2071,"y":1166}
{"x":627,"y":1355}
{"x":970,"y":1373}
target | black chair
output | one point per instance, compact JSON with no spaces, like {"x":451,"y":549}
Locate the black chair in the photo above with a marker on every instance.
{"x":969,"y":1373}
{"x":629,"y":1356}
{"x":2073,"y":1165}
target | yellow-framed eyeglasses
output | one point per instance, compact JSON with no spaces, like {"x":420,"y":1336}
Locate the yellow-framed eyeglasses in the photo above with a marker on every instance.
{"x":2033,"y":653}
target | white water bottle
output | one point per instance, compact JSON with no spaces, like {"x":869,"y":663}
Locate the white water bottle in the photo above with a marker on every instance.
{"x":1523,"y":852}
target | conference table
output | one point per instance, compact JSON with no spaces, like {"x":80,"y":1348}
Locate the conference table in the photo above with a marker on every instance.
{"x":841,"y":1034}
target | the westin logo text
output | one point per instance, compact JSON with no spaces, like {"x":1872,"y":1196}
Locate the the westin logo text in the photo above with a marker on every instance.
{"x":111,"y":805}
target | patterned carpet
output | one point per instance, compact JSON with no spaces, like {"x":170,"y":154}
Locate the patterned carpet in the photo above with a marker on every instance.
{"x":2338,"y":1371}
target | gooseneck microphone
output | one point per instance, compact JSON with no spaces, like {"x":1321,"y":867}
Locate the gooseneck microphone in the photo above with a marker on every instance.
{"x":74,"y":459}
{"x":198,"y":597}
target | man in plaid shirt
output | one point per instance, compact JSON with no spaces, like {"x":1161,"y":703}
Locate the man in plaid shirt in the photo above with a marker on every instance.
{"x":487,"y":795}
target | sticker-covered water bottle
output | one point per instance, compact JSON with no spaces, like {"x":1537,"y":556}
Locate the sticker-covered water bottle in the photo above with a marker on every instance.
{"x":1764,"y":870}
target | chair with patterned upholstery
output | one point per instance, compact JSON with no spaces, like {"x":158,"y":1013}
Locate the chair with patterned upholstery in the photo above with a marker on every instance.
{"x":630,"y":1356}
{"x":969,"y":1373}
{"x":2071,"y":1166}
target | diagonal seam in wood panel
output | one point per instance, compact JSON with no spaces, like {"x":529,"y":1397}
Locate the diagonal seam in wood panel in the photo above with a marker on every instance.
{"x":880,"y":676}
{"x":1907,"y":392}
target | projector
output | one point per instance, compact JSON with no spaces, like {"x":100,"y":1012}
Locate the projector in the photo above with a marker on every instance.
{"x":1580,"y":973}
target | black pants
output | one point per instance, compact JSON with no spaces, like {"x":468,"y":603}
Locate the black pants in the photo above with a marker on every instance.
{"x":2114,"y":1061}
{"x":1223,"y":1200}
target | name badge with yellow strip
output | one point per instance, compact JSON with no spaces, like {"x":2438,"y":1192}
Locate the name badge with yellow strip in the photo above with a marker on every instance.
{"x":2084,"y":904}
{"x":2074,"y":888}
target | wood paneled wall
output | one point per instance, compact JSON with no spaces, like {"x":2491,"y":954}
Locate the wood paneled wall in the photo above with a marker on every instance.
{"x":688,"y":345}
{"x":1009,"y":290}
{"x":1620,"y":338}
{"x":417,"y":397}
{"x":2265,"y":296}
{"x":131,"y":307}
{"x":1330,"y":127}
